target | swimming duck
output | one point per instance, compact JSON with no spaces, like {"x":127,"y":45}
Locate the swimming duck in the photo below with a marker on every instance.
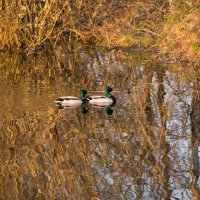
{"x":72,"y":100}
{"x":108,"y":99}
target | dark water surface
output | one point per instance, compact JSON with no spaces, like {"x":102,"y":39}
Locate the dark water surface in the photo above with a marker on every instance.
{"x":147,"y":149}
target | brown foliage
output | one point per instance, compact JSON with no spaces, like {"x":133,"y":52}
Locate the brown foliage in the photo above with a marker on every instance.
{"x":170,"y":26}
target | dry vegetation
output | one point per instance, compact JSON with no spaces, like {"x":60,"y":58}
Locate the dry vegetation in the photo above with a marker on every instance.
{"x":172,"y":27}
{"x":181,"y":33}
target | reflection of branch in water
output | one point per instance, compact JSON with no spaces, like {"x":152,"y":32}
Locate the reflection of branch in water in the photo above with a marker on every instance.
{"x":143,"y":128}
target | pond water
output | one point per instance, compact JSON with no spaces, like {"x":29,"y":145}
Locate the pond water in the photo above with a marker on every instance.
{"x":147,"y":149}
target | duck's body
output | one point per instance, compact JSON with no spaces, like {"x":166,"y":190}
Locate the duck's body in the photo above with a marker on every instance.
{"x":72,"y":100}
{"x":101,"y":100}
{"x":69,"y":100}
{"x":108,"y":99}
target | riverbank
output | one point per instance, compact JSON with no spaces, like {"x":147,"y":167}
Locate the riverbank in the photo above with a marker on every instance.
{"x":170,"y":29}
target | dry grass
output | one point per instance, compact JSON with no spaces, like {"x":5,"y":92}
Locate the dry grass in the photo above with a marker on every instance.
{"x":29,"y":25}
{"x":180,"y":39}
{"x":170,"y":26}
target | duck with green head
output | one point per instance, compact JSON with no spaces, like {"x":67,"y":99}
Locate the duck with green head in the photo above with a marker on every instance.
{"x":108,"y":99}
{"x":72,"y":100}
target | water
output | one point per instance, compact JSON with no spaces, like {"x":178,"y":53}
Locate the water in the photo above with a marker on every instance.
{"x":147,"y":149}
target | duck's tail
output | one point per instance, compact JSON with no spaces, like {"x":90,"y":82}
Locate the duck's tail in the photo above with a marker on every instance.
{"x":59,"y":101}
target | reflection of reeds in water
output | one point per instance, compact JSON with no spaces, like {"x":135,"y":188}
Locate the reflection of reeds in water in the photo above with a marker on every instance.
{"x":114,"y":148}
{"x":44,"y":159}
{"x":120,"y":145}
{"x":82,"y":67}
{"x":49,"y":153}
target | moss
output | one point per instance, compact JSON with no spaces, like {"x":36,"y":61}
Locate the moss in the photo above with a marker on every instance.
{"x":195,"y":46}
{"x":147,"y":41}
{"x":172,"y":19}
{"x":130,"y":56}
{"x":175,"y":69}
{"x":127,"y":40}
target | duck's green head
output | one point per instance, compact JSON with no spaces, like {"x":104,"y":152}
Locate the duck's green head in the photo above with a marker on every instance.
{"x":83,"y":93}
{"x":108,"y":90}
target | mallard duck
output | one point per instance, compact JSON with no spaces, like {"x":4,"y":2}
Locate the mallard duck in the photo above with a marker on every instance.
{"x":72,"y":100}
{"x":108,"y":99}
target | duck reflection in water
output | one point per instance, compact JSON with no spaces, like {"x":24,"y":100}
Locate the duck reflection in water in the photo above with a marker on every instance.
{"x":84,"y":107}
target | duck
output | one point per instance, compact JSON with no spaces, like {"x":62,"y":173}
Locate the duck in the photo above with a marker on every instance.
{"x":107,"y":100}
{"x":73,"y":101}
